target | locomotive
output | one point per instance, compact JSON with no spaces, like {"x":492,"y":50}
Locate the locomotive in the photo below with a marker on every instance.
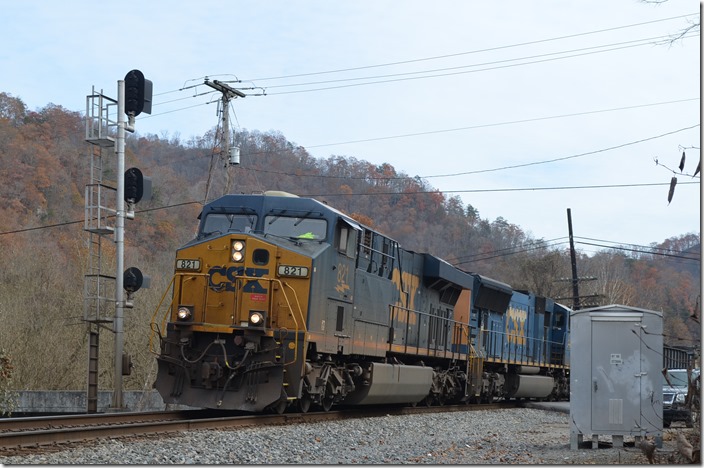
{"x":283,"y":301}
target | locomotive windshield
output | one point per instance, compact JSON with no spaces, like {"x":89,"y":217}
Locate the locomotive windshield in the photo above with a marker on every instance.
{"x":300,"y":228}
{"x":221,"y":223}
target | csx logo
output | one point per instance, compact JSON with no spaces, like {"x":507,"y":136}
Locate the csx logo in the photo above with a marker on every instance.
{"x":223,"y":279}
{"x":516,"y":325}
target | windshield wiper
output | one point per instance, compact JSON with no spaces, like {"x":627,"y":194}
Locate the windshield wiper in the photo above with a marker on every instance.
{"x":276,"y":217}
{"x":300,"y":220}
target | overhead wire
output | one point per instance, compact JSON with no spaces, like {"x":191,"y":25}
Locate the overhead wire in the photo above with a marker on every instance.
{"x":474,"y":127}
{"x":625,"y":243}
{"x":539,"y":243}
{"x":460,"y":72}
{"x":490,"y":49}
{"x":494,"y":190}
{"x":662,"y":254}
{"x":449,"y":55}
{"x":482,"y":257}
{"x":479,"y":171}
{"x":621,"y":45}
{"x":424,"y":192}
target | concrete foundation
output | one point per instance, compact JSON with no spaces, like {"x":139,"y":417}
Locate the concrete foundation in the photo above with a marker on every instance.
{"x":50,"y":401}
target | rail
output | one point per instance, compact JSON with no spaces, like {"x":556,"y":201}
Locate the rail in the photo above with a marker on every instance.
{"x":17,"y":434}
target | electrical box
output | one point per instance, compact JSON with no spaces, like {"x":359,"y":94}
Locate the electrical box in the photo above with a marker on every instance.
{"x":615,"y":374}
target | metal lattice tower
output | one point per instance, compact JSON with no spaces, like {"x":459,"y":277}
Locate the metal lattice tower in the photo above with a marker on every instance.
{"x":99,"y":209}
{"x":98,"y":285}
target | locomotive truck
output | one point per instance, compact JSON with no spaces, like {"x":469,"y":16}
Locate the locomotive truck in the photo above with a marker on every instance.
{"x":283,"y":301}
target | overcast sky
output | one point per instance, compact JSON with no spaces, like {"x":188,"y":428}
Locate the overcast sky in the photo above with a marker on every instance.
{"x":514,"y":103}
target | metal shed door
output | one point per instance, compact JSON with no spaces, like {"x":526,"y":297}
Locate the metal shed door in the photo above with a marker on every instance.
{"x":615,"y":374}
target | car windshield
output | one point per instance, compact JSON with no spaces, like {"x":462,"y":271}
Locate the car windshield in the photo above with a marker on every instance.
{"x":225,"y":222}
{"x":678,"y":378}
{"x":300,"y":228}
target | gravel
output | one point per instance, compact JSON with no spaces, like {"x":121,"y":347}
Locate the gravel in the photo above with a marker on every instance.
{"x":510,"y":436}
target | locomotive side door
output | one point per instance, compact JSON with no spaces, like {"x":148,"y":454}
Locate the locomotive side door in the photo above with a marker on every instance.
{"x":341,"y":298}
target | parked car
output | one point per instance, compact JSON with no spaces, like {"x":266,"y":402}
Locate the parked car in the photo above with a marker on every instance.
{"x":674,"y":396}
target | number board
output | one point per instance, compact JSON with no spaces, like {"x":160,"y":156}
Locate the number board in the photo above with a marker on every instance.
{"x":187,"y":264}
{"x":293,"y":270}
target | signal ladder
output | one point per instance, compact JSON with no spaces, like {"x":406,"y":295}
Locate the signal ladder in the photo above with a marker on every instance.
{"x":100,"y":211}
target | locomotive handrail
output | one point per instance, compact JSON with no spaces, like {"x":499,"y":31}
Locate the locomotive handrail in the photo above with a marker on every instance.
{"x":448,"y":324}
{"x":246,"y":278}
{"x":525,"y":356}
{"x":151,"y":335}
{"x":168,"y":310}
{"x":282,"y":287}
{"x":305,"y":329}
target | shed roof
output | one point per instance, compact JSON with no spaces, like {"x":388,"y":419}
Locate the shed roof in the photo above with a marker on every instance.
{"x":616,"y":308}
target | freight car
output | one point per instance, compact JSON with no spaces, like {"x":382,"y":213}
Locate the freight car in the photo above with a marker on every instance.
{"x":284,"y":301}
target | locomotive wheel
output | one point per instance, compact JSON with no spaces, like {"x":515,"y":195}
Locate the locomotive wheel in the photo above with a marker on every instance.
{"x":280,"y":406}
{"x":327,"y":400}
{"x":304,"y":403}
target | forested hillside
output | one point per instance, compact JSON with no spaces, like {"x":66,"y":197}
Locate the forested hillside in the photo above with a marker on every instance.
{"x":43,"y":248}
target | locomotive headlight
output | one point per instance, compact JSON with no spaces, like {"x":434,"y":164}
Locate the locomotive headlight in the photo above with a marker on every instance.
{"x":238,"y":251}
{"x":184,"y":313}
{"x":256,"y":318}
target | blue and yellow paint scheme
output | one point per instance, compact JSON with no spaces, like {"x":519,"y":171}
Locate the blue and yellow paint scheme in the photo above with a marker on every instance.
{"x":282,"y":301}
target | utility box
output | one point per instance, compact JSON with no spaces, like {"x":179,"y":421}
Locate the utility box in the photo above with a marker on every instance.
{"x":615,"y":374}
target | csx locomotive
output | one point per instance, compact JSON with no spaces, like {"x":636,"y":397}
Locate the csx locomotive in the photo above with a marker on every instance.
{"x":284,"y":301}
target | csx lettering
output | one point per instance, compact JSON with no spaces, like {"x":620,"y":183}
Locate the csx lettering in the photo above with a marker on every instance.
{"x":515,"y":325}
{"x":223,"y":279}
{"x":343,"y":272}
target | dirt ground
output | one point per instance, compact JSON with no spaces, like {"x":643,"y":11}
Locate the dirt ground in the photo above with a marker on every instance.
{"x":628,"y":455}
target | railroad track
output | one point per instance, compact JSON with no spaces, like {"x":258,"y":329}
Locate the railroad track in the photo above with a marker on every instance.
{"x":22,"y":434}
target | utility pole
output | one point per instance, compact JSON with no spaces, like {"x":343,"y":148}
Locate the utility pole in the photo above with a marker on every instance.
{"x":232,"y":153}
{"x":573,"y":257}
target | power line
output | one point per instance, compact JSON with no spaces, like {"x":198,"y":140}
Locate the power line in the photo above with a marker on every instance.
{"x":473,"y":127}
{"x":39,"y":228}
{"x":67,"y":223}
{"x":491,"y":49}
{"x":684,"y":257}
{"x":622,"y":45}
{"x":513,"y":122}
{"x":625,"y":243}
{"x":449,"y":55}
{"x":567,"y":157}
{"x":521,"y":189}
{"x":375,"y":194}
{"x":424,"y":59}
{"x":463,"y":72}
{"x":534,"y":245}
{"x":506,"y":254}
{"x":527,"y":248}
{"x":534,"y":163}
